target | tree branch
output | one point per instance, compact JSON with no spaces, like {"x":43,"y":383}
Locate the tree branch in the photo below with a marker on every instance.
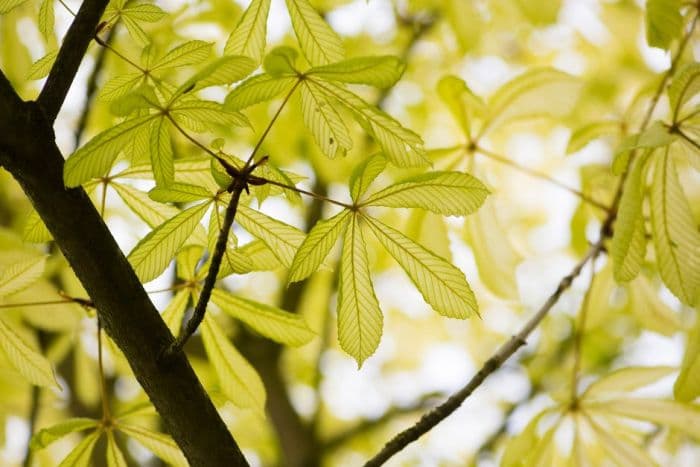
{"x":28,"y":151}
{"x":73,"y":49}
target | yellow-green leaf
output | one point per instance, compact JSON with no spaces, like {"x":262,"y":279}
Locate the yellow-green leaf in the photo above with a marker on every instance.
{"x":687,"y":386}
{"x":258,"y":89}
{"x":447,"y":193}
{"x":162,"y":153}
{"x":676,"y":236}
{"x":316,"y":245}
{"x":33,"y":366}
{"x":185,"y":54}
{"x":179,"y":193}
{"x":46,"y":19}
{"x":620,"y":450}
{"x":35,"y":230}
{"x":626,"y":380}
{"x":154,"y":252}
{"x":462,"y":103}
{"x":592,"y":131}
{"x":7,"y":5}
{"x":663,"y":22}
{"x":359,"y":315}
{"x":283,"y":239}
{"x":96,"y":157}
{"x":21,"y":274}
{"x":42,"y":67}
{"x":120,"y":86}
{"x":151,"y":212}
{"x":323,"y":121}
{"x":442,"y":284}
{"x":319,"y":43}
{"x":82,"y":452}
{"x":364,"y":174}
{"x":159,"y":444}
{"x":279,"y":325}
{"x":248,"y":37}
{"x":142,"y":11}
{"x":222,"y":71}
{"x":174,"y":312}
{"x":652,"y":313}
{"x":379,"y":71}
{"x":114,"y":455}
{"x":46,"y":436}
{"x":685,"y":85}
{"x":238,"y":379}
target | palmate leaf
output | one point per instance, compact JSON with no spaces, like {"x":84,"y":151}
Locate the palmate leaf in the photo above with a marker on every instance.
{"x":260,"y":255}
{"x":248,"y":38}
{"x":687,"y":386}
{"x":7,"y":5}
{"x":20,"y":274}
{"x":629,"y":237}
{"x":258,"y":89}
{"x":663,"y":22}
{"x":174,"y":312}
{"x":238,"y":379}
{"x":626,"y":380}
{"x":188,"y":53}
{"x":281,"y":60}
{"x":380,"y":71}
{"x":620,"y":450}
{"x":323,"y":121}
{"x":159,"y":444}
{"x":153,"y":253}
{"x":114,"y":455}
{"x":178,"y":192}
{"x":316,"y":245}
{"x":273,"y":323}
{"x":650,"y":311}
{"x":282,"y":239}
{"x":46,"y":19}
{"x":42,"y":67}
{"x":233,"y":261}
{"x":199,"y":115}
{"x":592,"y":131}
{"x":655,"y":136}
{"x":462,"y":103}
{"x":676,"y":238}
{"x":82,"y":452}
{"x":403,"y":147}
{"x":97,"y":156}
{"x":319,"y":43}
{"x":447,"y":193}
{"x":120,"y":86}
{"x":55,"y":432}
{"x":162,"y":153}
{"x":442,"y":285}
{"x":359,"y":315}
{"x":33,"y":366}
{"x":150,"y":211}
{"x":685,"y":85}
{"x":35,"y":230}
{"x":223,"y":71}
{"x":364,"y":174}
{"x":142,"y":11}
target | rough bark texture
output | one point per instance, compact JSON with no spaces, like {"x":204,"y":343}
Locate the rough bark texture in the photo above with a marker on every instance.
{"x":28,"y":151}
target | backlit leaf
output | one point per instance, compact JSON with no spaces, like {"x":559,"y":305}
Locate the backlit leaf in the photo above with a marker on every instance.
{"x":20,"y":274}
{"x":82,"y":452}
{"x":159,"y":444}
{"x":685,"y":85}
{"x":626,"y":380}
{"x":279,"y":325}
{"x":46,"y":436}
{"x":142,"y":11}
{"x":96,"y":157}
{"x":258,"y":89}
{"x":663,"y":22}
{"x":448,"y":193}
{"x":151,"y":212}
{"x":319,"y":43}
{"x":42,"y":67}
{"x":199,"y":115}
{"x":35,"y":230}
{"x":620,"y":450}
{"x":7,"y":5}
{"x":153,"y":253}
{"x":359,"y":315}
{"x":282,"y":239}
{"x":114,"y":455}
{"x":223,"y":71}
{"x":174,"y":312}
{"x":162,"y":153}
{"x":185,"y":54}
{"x":460,"y":100}
{"x":179,"y":193}
{"x":248,"y":38}
{"x":647,"y":307}
{"x":120,"y":85}
{"x":687,"y":386}
{"x":46,"y":19}
{"x":364,"y":174}
{"x":676,"y":238}
{"x":379,"y":71}
{"x":33,"y":366}
{"x":237,"y":378}
{"x":592,"y":131}
{"x":323,"y":121}
{"x":442,"y":284}
{"x":316,"y":245}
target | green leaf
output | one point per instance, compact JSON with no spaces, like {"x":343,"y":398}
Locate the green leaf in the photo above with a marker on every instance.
{"x":403,"y":147}
{"x":447,"y":193}
{"x":154,"y":252}
{"x":281,"y":61}
{"x":238,"y":379}
{"x":223,"y":71}
{"x":48,"y":435}
{"x":159,"y":444}
{"x":114,"y":455}
{"x":621,"y":451}
{"x":260,"y":255}
{"x":687,"y":386}
{"x":162,"y":153}
{"x":626,"y":380}
{"x":141,"y":11}
{"x":379,"y":71}
{"x":120,"y":86}
{"x":248,"y":38}
{"x":359,"y":315}
{"x":233,"y":260}
{"x":7,"y":5}
{"x":185,"y":54}
{"x":364,"y":174}
{"x":42,"y":67}
{"x":628,"y":246}
{"x":519,"y":447}
{"x":493,"y":252}
{"x":174,"y":312}
{"x":97,"y":156}
{"x":663,"y":22}
{"x":462,"y":103}
{"x":199,"y":115}
{"x":654,"y":137}
{"x":33,"y":366}
{"x":676,"y":237}
{"x":82,"y":452}
{"x":319,"y":43}
{"x":592,"y":131}
{"x":151,"y":212}
{"x":316,"y":245}
{"x":258,"y":89}
{"x":283,"y":239}
{"x":21,"y":274}
{"x":542,"y":92}
{"x":323,"y":121}
{"x":178,"y":192}
{"x":652,"y":313}
{"x":35,"y":230}
{"x":685,"y":85}
{"x":273,"y":323}
{"x":442,"y":285}
{"x":46,"y":19}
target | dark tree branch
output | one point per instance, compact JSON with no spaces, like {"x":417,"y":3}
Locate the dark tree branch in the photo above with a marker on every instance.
{"x":28,"y":151}
{"x":73,"y":49}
